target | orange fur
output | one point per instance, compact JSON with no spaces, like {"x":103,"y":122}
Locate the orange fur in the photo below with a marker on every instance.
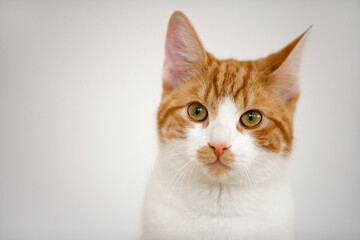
{"x":244,"y":81}
{"x":252,"y":85}
{"x":219,"y":166}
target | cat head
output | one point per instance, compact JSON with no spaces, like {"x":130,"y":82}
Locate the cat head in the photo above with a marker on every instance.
{"x":228,"y":118}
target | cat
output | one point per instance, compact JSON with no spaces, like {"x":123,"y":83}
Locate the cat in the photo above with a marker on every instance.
{"x":225,"y":132}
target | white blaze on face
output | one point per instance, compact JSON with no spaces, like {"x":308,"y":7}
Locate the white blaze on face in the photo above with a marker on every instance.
{"x":220,"y":135}
{"x":223,"y":128}
{"x":222,"y":131}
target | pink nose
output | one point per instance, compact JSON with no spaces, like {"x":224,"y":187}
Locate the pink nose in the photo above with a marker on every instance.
{"x":218,"y":149}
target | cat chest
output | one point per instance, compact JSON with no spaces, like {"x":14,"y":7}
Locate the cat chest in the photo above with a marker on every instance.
{"x":175,"y":224}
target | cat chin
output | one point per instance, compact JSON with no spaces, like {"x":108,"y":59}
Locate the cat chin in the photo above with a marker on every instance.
{"x":207,"y":174}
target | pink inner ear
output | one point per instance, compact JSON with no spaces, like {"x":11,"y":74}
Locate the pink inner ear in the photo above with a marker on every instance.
{"x":171,"y":75}
{"x":173,"y":69}
{"x":285,"y":79}
{"x":286,"y":82}
{"x":183,"y":50}
{"x":293,"y":67}
{"x":292,"y":92}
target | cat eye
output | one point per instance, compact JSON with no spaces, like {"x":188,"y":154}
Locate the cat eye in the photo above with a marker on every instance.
{"x":251,"y":119}
{"x":197,"y":112}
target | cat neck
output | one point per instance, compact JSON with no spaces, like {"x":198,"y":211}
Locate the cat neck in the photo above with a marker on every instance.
{"x":191,"y":192}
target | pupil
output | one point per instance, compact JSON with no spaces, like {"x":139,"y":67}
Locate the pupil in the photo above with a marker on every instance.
{"x":197,"y":110}
{"x":251,"y":116}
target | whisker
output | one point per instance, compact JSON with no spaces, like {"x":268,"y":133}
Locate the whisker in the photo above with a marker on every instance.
{"x":176,"y":175}
{"x":186,"y":171}
{"x":248,"y":177}
{"x":185,"y":167}
{"x":244,"y":178}
{"x":174,"y":155}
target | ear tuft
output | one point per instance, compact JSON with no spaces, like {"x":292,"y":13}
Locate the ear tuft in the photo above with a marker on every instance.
{"x":184,"y":52}
{"x":284,"y":80}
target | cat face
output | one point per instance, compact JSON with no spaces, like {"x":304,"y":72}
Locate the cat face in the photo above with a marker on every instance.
{"x":228,"y":118}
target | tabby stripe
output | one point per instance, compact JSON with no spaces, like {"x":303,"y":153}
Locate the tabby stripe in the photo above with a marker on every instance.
{"x":286,"y":135}
{"x":207,"y":92}
{"x":167,"y":113}
{"x":246,"y":80}
{"x":236,"y":95}
{"x":214,"y":80}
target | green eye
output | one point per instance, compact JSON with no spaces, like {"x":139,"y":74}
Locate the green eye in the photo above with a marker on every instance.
{"x":251,"y":119}
{"x":197,"y":112}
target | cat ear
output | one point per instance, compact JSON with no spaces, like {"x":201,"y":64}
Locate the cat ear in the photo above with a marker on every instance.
{"x":184,"y":52}
{"x":284,"y":79}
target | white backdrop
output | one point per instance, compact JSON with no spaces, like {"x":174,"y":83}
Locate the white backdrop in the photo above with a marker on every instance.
{"x":79,"y":88}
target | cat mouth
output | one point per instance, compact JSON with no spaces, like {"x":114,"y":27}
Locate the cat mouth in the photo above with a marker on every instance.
{"x":218,"y":168}
{"x":218,"y":162}
{"x":217,"y":165}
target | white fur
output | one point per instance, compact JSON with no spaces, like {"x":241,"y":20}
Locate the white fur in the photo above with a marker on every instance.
{"x":252,"y":201}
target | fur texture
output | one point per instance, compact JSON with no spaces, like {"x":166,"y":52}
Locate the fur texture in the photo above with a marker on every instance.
{"x":217,"y":179}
